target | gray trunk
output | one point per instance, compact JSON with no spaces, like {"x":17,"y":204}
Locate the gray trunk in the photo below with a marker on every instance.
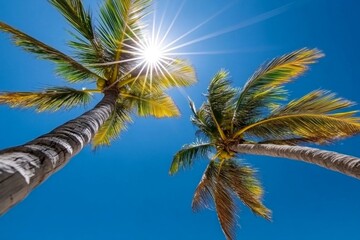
{"x":24,"y":167}
{"x":345,"y":164}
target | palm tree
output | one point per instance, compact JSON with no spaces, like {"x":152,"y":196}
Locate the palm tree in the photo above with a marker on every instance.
{"x":107,"y":54}
{"x":254,"y":120}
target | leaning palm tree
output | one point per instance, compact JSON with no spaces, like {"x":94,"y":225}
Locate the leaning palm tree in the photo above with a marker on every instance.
{"x":108,"y":54}
{"x":254,"y":120}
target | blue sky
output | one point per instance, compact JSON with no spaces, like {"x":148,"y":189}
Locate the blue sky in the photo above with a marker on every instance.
{"x":124,"y":191}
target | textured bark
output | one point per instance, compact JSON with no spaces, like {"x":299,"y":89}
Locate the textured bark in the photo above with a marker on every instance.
{"x":345,"y":164}
{"x":24,"y":167}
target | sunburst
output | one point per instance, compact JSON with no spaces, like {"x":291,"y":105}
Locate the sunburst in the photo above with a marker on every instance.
{"x":151,"y":55}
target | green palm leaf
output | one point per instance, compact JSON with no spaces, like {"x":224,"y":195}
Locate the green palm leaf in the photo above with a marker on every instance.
{"x":120,"y":22}
{"x":264,"y":88}
{"x":77,"y":16}
{"x":111,"y":129}
{"x":204,"y":121}
{"x":186,"y":156}
{"x":86,"y":47}
{"x":220,"y":94}
{"x":66,"y":66}
{"x":51,"y":99}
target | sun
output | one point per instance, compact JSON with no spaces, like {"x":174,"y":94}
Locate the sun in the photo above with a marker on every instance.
{"x":152,"y":54}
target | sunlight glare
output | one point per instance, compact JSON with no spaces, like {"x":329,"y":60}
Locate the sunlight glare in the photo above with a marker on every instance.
{"x":152,"y":54}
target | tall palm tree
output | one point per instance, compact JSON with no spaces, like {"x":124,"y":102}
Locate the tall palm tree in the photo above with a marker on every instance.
{"x":107,"y":54}
{"x":255,"y":120}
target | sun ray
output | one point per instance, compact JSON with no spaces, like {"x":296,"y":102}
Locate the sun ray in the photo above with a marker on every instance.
{"x":247,"y":23}
{"x":137,"y":77}
{"x":161,"y":22}
{"x":199,"y":26}
{"x":113,"y":63}
{"x":201,"y":53}
{"x":173,"y":22}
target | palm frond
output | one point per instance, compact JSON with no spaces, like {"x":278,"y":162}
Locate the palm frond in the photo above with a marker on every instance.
{"x":87,"y":48}
{"x":66,"y":66}
{"x":77,"y":16}
{"x":241,"y":180}
{"x":120,"y":22}
{"x":158,"y":105}
{"x":111,"y":129}
{"x":186,"y":156}
{"x":51,"y":99}
{"x":314,"y":117}
{"x":220,"y":183}
{"x":225,"y":209}
{"x":263,"y":89}
{"x":319,"y":127}
{"x":318,"y":102}
{"x":203,"y":119}
{"x":177,"y":73}
{"x":220,"y":96}
{"x":204,"y":193}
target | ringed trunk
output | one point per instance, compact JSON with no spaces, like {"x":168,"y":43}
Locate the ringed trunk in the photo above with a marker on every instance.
{"x":345,"y":164}
{"x":22,"y":168}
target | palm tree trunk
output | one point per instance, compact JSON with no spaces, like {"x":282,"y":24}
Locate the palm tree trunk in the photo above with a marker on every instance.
{"x":24,"y":167}
{"x":345,"y":164}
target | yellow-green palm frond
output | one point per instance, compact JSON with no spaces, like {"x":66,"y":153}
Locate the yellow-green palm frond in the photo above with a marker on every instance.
{"x":120,"y":22}
{"x":319,"y":102}
{"x":313,"y":118}
{"x":67,"y":67}
{"x":242,"y":181}
{"x":87,"y":47}
{"x":158,"y":105}
{"x":186,"y":156}
{"x":264,"y":88}
{"x":51,"y":99}
{"x":317,"y":127}
{"x":111,"y":129}
{"x":220,"y":96}
{"x":77,"y":16}
{"x":177,"y":73}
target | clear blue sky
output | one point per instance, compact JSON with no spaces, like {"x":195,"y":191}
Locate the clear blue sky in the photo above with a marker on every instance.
{"x":124,"y":191}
